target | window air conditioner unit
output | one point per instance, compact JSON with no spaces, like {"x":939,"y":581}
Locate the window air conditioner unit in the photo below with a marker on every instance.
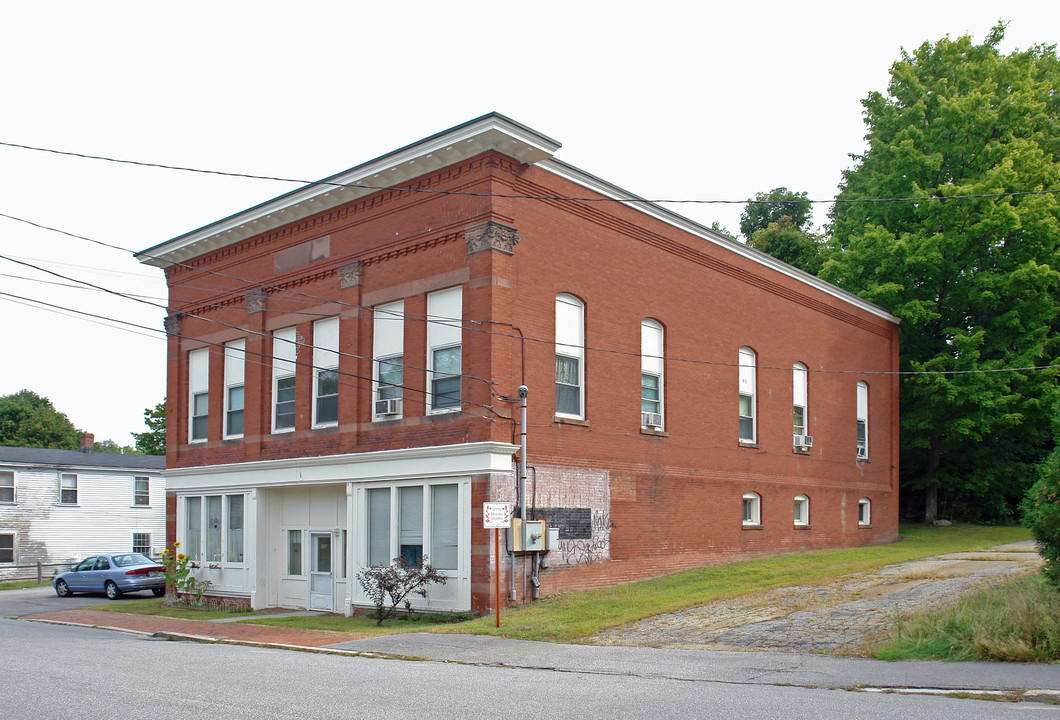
{"x":651,"y":420}
{"x":391,"y":406}
{"x":863,"y":452}
{"x":803,"y":441}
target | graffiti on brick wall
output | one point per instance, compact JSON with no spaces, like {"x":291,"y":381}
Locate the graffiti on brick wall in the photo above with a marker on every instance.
{"x":592,"y":549}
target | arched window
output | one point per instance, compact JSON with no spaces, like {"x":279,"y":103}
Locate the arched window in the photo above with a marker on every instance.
{"x":752,"y":509}
{"x":570,"y":357}
{"x":802,"y":510}
{"x":800,"y":418}
{"x":651,"y":374}
{"x":747,"y":395}
{"x":864,"y":512}
{"x":863,"y":420}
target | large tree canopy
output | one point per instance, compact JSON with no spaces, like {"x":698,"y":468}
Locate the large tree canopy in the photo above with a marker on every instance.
{"x":29,"y":420}
{"x":769,"y":207}
{"x":973,"y":280}
{"x":786,"y":242}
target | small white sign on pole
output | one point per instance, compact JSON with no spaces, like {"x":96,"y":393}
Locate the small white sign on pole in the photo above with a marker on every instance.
{"x":496,"y":515}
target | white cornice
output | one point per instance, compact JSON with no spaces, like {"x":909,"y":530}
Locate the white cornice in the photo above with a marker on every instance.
{"x":490,"y":132}
{"x":436,"y":461}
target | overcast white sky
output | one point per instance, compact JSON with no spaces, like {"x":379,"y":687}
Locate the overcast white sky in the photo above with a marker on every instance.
{"x":669,"y":100}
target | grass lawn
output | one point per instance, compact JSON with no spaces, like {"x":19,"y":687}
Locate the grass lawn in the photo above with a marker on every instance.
{"x":573,"y":616}
{"x":18,"y":584}
{"x":157,"y":606}
{"x":1015,"y":622}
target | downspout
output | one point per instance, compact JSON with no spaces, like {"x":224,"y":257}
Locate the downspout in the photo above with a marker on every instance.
{"x":523,"y":392}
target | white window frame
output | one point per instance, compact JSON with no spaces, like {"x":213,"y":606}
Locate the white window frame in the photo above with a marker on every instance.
{"x":570,"y":344}
{"x":863,"y":420}
{"x":801,"y":511}
{"x":14,"y":547}
{"x":428,"y":527}
{"x":63,"y":477}
{"x":235,"y":379}
{"x":652,"y":338}
{"x":137,"y":494}
{"x":225,"y":528}
{"x":284,"y":365}
{"x":134,"y":545}
{"x":388,"y":344}
{"x":198,"y":386}
{"x":752,"y":501}
{"x":289,"y":533}
{"x":325,"y":359}
{"x":444,"y":332}
{"x":864,"y":512}
{"x":799,"y":397}
{"x":747,"y":388}
{"x":5,"y":485}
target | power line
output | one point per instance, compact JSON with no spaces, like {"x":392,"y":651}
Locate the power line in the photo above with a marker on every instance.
{"x":513,"y":196}
{"x":102,"y":319}
{"x":251,"y":285}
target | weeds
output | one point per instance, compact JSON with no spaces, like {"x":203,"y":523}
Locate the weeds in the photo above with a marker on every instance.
{"x":1015,"y":622}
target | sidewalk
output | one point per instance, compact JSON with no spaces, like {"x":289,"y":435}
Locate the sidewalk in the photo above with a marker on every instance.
{"x":756,"y":667}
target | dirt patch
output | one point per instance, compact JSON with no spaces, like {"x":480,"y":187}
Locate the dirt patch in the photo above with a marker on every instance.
{"x":836,"y":617}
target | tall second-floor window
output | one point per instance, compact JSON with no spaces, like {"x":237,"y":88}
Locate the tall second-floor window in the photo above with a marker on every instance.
{"x":284,"y":355}
{"x":651,"y":374}
{"x":570,"y":356}
{"x":444,"y":337}
{"x":863,"y":420}
{"x":798,"y":400}
{"x":747,"y":395}
{"x":388,"y":368}
{"x":198,"y":394}
{"x":326,"y":371}
{"x":235,"y":354}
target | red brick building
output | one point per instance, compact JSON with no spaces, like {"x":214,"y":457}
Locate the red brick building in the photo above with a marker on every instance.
{"x":343,"y":360}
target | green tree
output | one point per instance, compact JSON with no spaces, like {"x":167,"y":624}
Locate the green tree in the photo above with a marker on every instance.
{"x":1041,"y":512}
{"x":153,"y":442}
{"x":29,"y":420}
{"x":768,"y":207}
{"x":784,"y":241}
{"x":109,"y":446}
{"x":973,"y":280}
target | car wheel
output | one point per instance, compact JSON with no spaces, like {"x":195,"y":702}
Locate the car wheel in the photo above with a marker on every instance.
{"x":62,"y":589}
{"x":113,"y":593}
{"x":159,"y":592}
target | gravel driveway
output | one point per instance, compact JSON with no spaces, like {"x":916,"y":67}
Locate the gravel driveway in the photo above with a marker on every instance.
{"x":835,"y":618}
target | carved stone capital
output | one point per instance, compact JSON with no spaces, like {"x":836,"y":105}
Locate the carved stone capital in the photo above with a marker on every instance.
{"x":350,"y":274}
{"x":491,"y":236}
{"x":172,"y":324}
{"x":255,"y":301}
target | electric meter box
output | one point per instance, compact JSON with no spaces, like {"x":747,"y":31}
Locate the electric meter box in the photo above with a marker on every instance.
{"x":536,"y":536}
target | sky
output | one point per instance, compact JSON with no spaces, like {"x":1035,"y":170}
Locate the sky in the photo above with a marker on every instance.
{"x":668,"y":100}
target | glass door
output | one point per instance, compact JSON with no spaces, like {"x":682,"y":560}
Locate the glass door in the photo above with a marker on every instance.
{"x":321,"y":578}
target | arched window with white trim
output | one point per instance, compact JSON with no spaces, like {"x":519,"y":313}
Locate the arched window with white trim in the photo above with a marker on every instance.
{"x":802,"y":510}
{"x":800,"y":418}
{"x":651,"y":374}
{"x":570,"y":357}
{"x":752,"y":508}
{"x":747,"y":395}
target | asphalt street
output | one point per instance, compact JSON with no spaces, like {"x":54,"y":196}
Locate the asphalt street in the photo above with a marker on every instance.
{"x":66,"y":670}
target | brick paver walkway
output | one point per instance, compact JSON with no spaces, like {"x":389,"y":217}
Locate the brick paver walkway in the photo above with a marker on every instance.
{"x":238,"y":632}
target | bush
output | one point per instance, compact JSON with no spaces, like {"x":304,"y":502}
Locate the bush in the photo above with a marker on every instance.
{"x":391,"y":585}
{"x":1041,"y":514}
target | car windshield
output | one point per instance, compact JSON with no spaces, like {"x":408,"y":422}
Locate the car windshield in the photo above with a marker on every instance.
{"x":132,"y":559}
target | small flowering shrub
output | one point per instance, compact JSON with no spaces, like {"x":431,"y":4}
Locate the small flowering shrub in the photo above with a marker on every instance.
{"x":390,"y":585}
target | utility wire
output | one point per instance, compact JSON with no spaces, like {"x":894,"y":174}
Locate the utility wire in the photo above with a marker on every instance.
{"x":362,"y":186}
{"x":265,"y":362}
{"x":254,"y":285}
